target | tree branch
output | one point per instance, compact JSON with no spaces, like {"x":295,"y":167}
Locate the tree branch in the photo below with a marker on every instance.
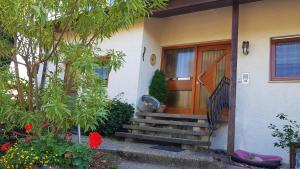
{"x":61,"y":34}
{"x":96,"y":34}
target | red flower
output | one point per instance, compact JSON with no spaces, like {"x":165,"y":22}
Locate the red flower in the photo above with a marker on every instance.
{"x":28,"y":127}
{"x":95,"y":140}
{"x":5,"y":147}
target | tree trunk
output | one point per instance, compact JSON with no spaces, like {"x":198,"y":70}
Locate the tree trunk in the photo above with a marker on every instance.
{"x":18,"y":83}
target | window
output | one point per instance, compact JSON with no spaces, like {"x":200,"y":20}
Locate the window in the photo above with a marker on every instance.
{"x":102,"y":72}
{"x":285,"y":59}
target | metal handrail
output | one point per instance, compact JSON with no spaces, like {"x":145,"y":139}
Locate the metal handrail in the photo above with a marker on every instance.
{"x":218,"y":100}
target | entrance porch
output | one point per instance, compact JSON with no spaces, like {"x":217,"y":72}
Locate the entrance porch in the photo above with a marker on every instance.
{"x":199,"y":62}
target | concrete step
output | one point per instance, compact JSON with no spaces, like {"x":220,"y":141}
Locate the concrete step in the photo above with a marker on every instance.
{"x":171,"y":122}
{"x":167,"y":130}
{"x":163,"y":139}
{"x":173,"y":116}
{"x":143,"y":153}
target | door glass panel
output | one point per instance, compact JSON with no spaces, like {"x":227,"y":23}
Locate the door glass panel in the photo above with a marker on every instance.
{"x":180,"y":99}
{"x":208,"y":58}
{"x":221,"y":66}
{"x":203,"y":98}
{"x":179,"y":63}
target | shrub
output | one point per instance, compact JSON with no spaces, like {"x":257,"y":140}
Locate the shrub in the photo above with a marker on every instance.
{"x":159,"y":87}
{"x":119,"y":114}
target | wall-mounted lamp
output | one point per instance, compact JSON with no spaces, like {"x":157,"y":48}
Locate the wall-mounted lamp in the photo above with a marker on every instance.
{"x":245,"y":47}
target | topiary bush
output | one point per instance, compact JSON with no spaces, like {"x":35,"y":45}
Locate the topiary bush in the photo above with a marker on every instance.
{"x":159,"y":87}
{"x":118,"y":114}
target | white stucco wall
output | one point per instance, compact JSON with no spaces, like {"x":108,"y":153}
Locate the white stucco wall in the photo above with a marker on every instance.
{"x":260,"y":101}
{"x":126,"y":80}
{"x":151,"y":43}
{"x":196,"y":27}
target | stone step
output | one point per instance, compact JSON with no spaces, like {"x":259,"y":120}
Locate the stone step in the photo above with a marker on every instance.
{"x":171,"y":122}
{"x":167,"y":130}
{"x":163,"y":139}
{"x":141,"y":152}
{"x":174,"y":116}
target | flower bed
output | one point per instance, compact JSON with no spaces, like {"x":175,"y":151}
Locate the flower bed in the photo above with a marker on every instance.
{"x":27,"y":151}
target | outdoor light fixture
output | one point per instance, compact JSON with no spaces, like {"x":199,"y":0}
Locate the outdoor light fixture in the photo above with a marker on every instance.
{"x":245,"y":47}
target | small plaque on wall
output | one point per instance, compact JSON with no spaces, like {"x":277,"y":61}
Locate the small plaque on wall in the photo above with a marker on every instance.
{"x":153,"y":59}
{"x":245,"y":78}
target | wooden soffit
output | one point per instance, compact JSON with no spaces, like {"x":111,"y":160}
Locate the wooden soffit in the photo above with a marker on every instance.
{"x":178,"y":7}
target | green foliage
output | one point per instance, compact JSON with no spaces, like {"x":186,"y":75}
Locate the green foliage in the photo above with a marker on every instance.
{"x":48,"y":151}
{"x":289,"y":133}
{"x":6,"y":44}
{"x":159,"y":87}
{"x":81,"y":156}
{"x":65,"y":34}
{"x":119,"y":113}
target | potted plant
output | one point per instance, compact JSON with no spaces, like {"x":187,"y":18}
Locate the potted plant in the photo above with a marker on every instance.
{"x":159,"y":89}
{"x":288,"y":136}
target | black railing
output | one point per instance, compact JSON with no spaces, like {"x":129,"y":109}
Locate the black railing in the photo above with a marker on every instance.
{"x":218,"y":100}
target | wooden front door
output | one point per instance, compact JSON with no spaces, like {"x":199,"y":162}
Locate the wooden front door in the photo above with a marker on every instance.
{"x":193,"y":73}
{"x":212,"y":66}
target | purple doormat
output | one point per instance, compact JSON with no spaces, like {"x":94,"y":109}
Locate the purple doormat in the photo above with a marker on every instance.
{"x":168,"y":148}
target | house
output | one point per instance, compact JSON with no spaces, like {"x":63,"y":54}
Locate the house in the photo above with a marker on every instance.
{"x":255,"y":44}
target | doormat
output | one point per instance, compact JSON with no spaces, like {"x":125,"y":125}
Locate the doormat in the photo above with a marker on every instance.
{"x":168,"y":148}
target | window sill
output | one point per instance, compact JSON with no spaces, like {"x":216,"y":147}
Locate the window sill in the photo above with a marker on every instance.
{"x":284,"y":81}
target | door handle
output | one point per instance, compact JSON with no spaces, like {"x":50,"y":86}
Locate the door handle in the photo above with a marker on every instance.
{"x":199,"y":78}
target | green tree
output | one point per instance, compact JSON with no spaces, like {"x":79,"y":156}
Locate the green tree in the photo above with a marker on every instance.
{"x":65,"y":33}
{"x":159,"y":87}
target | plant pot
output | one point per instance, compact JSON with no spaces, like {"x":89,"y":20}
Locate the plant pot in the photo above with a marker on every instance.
{"x":161,"y":109}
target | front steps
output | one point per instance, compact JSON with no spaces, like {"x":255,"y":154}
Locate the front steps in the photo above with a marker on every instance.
{"x":189,"y":131}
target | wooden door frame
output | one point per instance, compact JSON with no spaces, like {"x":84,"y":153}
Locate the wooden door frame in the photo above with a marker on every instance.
{"x":195,"y":46}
